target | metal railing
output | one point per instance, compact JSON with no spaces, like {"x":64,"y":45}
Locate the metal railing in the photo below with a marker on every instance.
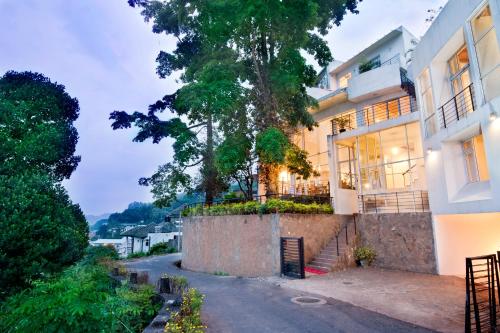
{"x":373,"y":114}
{"x":457,"y":107}
{"x":394,"y":202}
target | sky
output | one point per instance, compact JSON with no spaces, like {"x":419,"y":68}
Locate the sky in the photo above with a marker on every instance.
{"x":104,"y":53}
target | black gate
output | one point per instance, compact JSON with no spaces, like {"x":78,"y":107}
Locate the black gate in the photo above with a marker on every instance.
{"x":292,"y":257}
{"x":481,"y":298}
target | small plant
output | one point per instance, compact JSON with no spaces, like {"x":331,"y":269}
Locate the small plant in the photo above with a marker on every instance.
{"x":188,"y":319}
{"x":342,"y":123}
{"x":364,"y":254}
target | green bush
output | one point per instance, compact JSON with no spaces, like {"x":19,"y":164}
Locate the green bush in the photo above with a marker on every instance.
{"x":81,"y":299}
{"x":42,"y":231}
{"x":94,"y":254}
{"x":254,"y":207}
{"x":137,"y":255}
{"x":188,"y":319}
{"x":161,"y":248}
{"x":365,"y":253}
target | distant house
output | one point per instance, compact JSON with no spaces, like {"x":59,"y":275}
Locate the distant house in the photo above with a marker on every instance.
{"x":118,"y":244}
{"x":142,"y":238}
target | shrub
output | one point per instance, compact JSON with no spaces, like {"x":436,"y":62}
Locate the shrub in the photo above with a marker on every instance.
{"x":159,"y":248}
{"x":137,"y":255}
{"x":95,"y":254}
{"x":42,"y":231}
{"x":365,"y":253}
{"x":81,"y":299}
{"x":254,"y":207}
{"x":188,"y":319}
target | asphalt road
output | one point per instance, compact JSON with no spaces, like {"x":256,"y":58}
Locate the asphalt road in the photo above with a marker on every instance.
{"x":242,"y":305}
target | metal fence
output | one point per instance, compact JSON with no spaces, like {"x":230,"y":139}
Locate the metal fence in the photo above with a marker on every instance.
{"x":394,"y":202}
{"x":373,"y":114}
{"x":292,"y":257}
{"x":457,"y":107}
{"x":481,"y":298}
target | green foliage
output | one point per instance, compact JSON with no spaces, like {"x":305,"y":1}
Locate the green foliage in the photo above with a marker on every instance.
{"x":82,"y":299}
{"x":243,"y":67}
{"x":137,"y":255}
{"x":220,"y":273}
{"x":188,"y":319}
{"x":161,"y":248}
{"x":42,"y":231}
{"x":271,"y":146}
{"x":297,"y":162}
{"x":95,"y":254}
{"x":254,"y":207}
{"x":365,"y":253}
{"x":36,"y":126}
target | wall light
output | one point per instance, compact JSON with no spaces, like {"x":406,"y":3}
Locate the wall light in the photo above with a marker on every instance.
{"x":429,"y":151}
{"x":493,"y":116}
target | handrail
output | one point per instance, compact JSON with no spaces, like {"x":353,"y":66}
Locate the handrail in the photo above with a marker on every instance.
{"x":458,"y":106}
{"x":394,"y":202}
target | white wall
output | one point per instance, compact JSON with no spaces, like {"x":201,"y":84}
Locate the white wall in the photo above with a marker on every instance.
{"x":464,"y":235}
{"x":449,"y":192}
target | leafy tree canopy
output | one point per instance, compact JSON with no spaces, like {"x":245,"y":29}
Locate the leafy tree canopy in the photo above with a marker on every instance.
{"x":36,"y":125}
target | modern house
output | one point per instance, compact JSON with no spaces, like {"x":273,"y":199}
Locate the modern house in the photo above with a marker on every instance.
{"x":142,"y":238}
{"x":457,"y":70}
{"x":367,"y":150}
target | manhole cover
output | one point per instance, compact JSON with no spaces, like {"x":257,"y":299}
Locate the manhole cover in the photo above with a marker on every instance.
{"x":347,"y":282}
{"x":307,"y":300}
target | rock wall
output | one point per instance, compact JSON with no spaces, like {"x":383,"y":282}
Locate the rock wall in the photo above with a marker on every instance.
{"x":402,"y":241}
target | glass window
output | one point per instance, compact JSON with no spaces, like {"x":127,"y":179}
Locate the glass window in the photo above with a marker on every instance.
{"x":475,"y":159}
{"x":488,"y":51}
{"x":428,"y":103}
{"x":459,"y":70}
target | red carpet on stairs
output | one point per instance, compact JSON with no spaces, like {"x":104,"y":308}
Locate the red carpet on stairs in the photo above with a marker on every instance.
{"x":314,"y":271}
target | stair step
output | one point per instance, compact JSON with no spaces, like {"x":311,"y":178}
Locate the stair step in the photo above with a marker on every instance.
{"x":323,"y":268}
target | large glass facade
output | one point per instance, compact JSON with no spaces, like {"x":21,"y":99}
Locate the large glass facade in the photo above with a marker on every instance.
{"x":388,"y":160}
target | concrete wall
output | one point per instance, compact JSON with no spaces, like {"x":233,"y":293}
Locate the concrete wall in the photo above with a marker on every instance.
{"x":242,"y":245}
{"x":464,"y":235}
{"x":248,"y":245}
{"x":402,"y":241}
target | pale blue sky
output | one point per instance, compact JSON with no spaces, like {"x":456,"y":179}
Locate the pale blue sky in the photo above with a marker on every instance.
{"x":104,"y":54}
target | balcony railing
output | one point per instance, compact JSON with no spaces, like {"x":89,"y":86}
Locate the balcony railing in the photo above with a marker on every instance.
{"x":394,"y":202}
{"x":373,"y":114}
{"x":457,"y":107}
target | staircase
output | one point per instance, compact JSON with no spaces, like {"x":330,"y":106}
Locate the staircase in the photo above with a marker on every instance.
{"x":333,"y":253}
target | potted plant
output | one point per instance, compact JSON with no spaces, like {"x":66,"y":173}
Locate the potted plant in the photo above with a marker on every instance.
{"x":364,"y":256}
{"x":342,"y":123}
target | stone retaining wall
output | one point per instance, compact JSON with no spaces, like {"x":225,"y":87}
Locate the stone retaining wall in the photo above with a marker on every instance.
{"x":402,"y":241}
{"x":248,"y":245}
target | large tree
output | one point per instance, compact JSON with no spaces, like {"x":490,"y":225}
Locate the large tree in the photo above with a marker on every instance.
{"x":36,"y":125}
{"x":265,"y":40}
{"x":42,"y":231}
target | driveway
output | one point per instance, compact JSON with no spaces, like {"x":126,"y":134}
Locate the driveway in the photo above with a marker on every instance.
{"x":243,"y":305}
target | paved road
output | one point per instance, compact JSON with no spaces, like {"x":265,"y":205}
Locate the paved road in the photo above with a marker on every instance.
{"x":242,"y":305}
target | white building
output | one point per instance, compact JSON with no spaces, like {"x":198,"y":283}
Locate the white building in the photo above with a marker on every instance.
{"x":118,"y":244}
{"x":367,"y":150}
{"x":457,"y":66}
{"x":142,"y":238}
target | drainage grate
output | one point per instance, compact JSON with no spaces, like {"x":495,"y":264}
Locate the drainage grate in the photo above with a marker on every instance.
{"x":307,"y":300}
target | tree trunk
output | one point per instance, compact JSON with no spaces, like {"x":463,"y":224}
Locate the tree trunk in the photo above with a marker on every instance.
{"x":210,"y":172}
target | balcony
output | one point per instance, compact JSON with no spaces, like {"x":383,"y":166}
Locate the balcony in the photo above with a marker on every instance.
{"x":386,"y":78}
{"x":394,"y":202}
{"x":458,"y":107}
{"x":373,"y":114}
